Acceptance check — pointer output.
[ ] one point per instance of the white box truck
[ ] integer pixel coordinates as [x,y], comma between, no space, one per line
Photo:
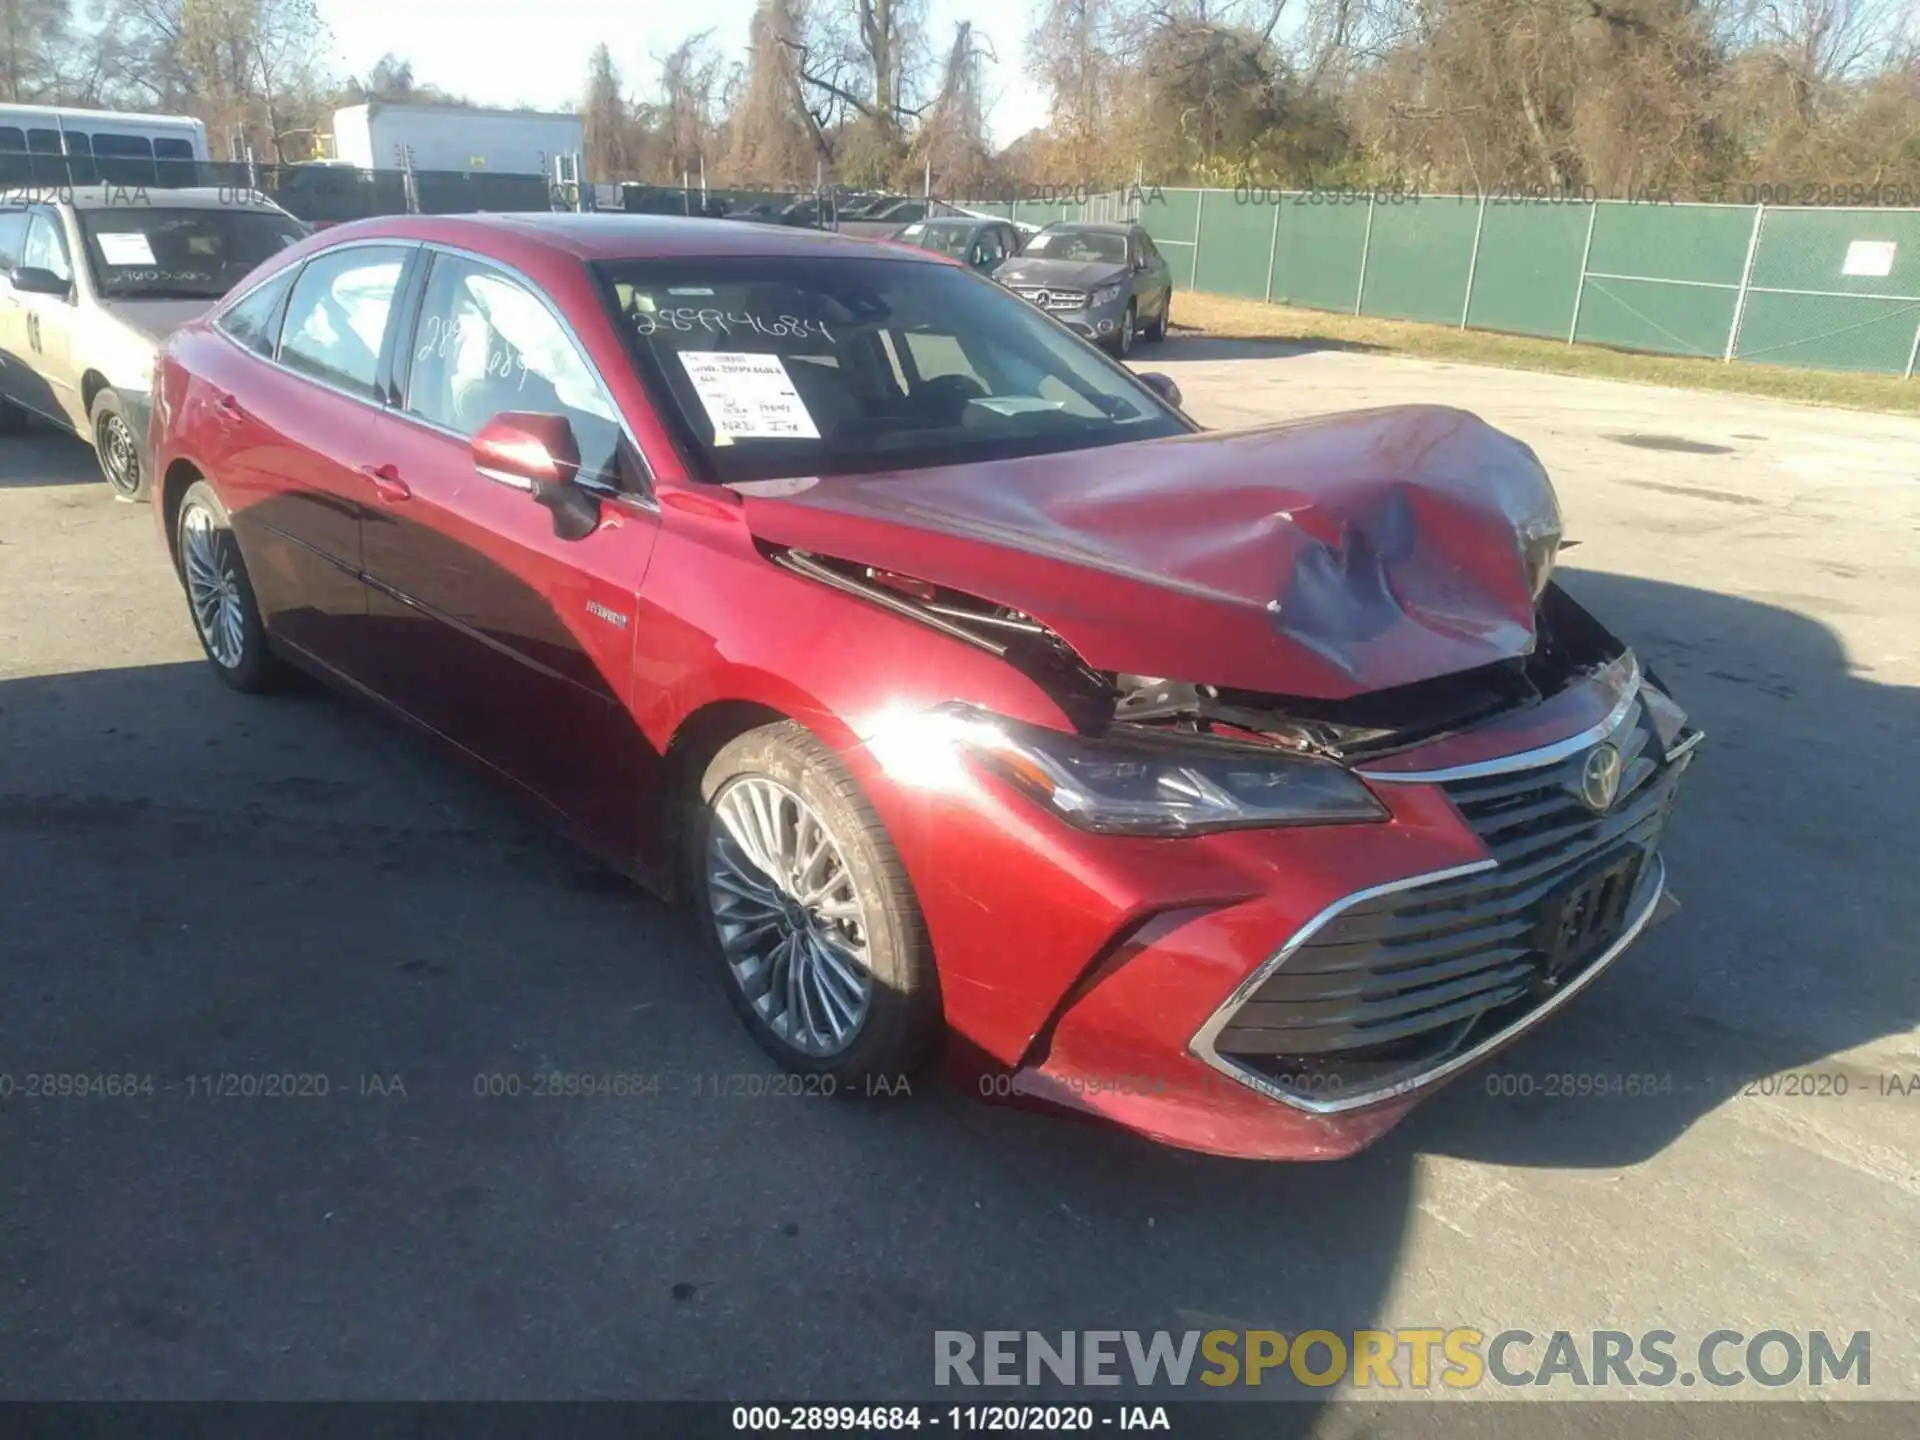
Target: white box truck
[385,136]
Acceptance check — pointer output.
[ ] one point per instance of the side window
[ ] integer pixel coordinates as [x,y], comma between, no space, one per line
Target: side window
[13,237]
[46,247]
[337,316]
[991,250]
[485,344]
[251,322]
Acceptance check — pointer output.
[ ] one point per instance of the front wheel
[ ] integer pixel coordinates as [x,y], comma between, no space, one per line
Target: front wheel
[225,615]
[824,951]
[117,449]
[1123,341]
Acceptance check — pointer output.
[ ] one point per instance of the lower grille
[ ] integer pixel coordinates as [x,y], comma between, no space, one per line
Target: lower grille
[1394,986]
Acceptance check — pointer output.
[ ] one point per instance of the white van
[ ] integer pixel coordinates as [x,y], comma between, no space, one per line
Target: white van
[43,145]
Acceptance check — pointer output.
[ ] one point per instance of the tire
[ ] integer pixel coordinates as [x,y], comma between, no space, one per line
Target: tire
[1123,342]
[225,617]
[1157,331]
[117,449]
[772,773]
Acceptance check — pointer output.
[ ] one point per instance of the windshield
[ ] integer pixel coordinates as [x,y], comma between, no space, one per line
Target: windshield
[1078,245]
[154,253]
[774,368]
[941,239]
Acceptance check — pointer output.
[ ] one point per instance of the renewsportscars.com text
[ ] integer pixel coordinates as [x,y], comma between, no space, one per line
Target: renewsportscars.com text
[1415,1359]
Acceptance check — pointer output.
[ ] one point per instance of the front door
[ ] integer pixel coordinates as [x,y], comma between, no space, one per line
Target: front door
[508,640]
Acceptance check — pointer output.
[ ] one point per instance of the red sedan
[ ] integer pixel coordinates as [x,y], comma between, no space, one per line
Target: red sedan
[1237,787]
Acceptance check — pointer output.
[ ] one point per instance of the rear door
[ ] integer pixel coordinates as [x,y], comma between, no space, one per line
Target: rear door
[508,640]
[295,447]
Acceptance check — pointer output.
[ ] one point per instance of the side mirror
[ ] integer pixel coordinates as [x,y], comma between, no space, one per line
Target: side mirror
[537,453]
[1161,385]
[32,280]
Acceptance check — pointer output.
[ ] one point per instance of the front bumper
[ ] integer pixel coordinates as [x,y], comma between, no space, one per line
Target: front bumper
[1102,325]
[1098,323]
[1287,994]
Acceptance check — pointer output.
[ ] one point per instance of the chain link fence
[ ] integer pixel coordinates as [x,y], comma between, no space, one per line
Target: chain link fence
[1834,289]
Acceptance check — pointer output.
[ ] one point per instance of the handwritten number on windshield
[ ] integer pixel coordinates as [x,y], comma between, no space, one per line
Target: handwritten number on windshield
[686,320]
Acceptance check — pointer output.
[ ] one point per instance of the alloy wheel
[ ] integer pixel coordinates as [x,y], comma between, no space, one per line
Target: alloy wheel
[789,916]
[119,457]
[213,586]
[1126,332]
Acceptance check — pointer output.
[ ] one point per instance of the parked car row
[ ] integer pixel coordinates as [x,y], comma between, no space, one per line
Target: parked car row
[1239,788]
[1106,281]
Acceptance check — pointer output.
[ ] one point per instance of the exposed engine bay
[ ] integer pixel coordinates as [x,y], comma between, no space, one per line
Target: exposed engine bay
[1568,644]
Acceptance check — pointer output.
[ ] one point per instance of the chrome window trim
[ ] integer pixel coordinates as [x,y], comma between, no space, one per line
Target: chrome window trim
[1524,759]
[647,502]
[1202,1044]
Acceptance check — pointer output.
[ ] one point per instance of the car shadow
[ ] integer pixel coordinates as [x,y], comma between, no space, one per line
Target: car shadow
[1183,343]
[328,969]
[43,455]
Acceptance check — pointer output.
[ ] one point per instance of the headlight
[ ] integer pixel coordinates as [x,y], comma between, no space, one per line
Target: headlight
[1105,295]
[1131,785]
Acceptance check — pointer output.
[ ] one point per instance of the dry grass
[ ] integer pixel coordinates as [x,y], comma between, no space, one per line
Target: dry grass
[1225,317]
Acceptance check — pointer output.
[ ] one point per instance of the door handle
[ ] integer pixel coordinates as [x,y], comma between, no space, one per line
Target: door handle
[386,481]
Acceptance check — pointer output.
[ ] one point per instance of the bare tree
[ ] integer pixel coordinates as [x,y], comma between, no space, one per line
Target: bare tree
[34,37]
[685,114]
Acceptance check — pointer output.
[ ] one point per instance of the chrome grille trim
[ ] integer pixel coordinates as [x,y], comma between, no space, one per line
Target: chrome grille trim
[1525,759]
[1202,1044]
[1459,941]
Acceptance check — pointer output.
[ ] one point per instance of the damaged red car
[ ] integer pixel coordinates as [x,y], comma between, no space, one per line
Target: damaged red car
[1236,787]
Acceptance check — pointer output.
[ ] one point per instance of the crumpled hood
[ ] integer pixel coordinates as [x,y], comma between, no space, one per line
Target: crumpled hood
[1323,558]
[1064,274]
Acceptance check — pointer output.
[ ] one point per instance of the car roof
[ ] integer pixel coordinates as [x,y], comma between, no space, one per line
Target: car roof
[1097,227]
[619,237]
[199,197]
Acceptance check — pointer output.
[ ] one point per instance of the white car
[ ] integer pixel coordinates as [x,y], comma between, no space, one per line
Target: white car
[92,279]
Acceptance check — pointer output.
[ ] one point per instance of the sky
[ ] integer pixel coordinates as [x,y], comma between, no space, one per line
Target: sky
[534,52]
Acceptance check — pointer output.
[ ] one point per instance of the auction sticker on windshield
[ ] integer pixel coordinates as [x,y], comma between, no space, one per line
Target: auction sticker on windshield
[748,397]
[125,247]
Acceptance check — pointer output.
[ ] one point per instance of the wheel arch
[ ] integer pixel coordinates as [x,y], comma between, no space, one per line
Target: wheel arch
[701,734]
[174,485]
[91,384]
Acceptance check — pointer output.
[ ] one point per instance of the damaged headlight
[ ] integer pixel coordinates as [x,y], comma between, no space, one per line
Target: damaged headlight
[1129,785]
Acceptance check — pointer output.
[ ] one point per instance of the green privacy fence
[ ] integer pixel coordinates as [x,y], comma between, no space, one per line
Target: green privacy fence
[1832,289]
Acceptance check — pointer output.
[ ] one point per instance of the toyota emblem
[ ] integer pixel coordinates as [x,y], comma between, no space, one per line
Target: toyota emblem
[1600,778]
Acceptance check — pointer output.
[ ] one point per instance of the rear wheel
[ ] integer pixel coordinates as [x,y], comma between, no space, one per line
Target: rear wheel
[824,952]
[117,449]
[219,595]
[1157,331]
